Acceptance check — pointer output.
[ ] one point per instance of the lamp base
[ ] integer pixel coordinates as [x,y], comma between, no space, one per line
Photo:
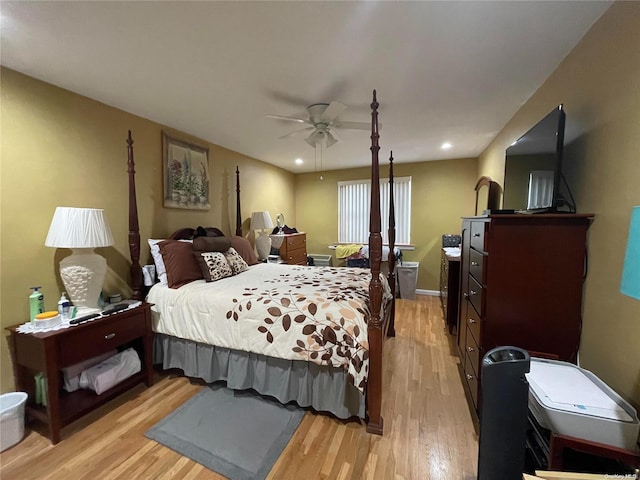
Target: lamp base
[263,246]
[83,274]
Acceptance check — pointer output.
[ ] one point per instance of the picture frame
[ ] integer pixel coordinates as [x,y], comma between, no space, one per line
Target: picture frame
[186,174]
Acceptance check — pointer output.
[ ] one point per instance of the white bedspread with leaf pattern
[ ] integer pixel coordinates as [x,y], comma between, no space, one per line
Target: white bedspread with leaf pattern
[316,314]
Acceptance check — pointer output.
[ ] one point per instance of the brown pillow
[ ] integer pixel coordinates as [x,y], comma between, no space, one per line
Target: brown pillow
[244,248]
[179,262]
[211,244]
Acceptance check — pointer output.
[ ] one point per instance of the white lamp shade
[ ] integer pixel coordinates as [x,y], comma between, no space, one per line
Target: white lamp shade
[261,220]
[79,228]
[83,272]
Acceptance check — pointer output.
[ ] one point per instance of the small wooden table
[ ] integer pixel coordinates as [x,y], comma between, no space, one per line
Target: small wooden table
[50,352]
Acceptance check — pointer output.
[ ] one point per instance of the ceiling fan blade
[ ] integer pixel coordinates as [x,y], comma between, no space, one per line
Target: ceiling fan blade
[291,119]
[296,132]
[332,137]
[333,111]
[353,125]
[312,139]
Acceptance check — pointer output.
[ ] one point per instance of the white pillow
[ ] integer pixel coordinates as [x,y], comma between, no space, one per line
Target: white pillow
[161,271]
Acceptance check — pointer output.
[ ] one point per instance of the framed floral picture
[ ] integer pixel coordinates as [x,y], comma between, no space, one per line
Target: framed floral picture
[186,174]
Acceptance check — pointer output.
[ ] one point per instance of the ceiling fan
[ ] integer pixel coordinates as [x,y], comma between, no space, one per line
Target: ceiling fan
[323,122]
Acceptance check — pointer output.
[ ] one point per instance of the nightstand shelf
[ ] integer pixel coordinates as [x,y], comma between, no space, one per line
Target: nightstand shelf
[50,352]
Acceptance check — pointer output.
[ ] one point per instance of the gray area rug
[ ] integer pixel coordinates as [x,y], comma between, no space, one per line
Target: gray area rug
[237,434]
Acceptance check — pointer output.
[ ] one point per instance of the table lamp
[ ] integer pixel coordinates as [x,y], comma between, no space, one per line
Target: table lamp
[631,269]
[261,221]
[83,272]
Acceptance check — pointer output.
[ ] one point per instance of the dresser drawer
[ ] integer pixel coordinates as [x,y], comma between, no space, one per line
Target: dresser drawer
[472,352]
[476,265]
[476,295]
[473,324]
[99,336]
[297,257]
[477,235]
[472,382]
[295,242]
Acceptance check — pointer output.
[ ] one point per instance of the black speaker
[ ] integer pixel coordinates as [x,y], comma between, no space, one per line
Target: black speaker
[503,414]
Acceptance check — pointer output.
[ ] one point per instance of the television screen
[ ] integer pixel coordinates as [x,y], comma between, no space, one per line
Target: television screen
[533,166]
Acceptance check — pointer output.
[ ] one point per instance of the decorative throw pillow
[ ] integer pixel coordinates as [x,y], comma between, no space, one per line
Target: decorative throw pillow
[178,259]
[154,247]
[215,264]
[236,262]
[244,248]
[211,244]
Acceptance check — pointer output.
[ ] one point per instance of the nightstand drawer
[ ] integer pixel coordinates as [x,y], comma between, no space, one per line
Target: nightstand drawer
[99,336]
[298,257]
[295,242]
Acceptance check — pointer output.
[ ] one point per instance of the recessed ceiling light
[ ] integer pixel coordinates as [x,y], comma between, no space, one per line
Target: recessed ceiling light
[445,146]
[299,161]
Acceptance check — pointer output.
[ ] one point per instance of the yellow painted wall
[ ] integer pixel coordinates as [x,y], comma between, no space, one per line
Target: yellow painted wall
[599,85]
[442,192]
[62,149]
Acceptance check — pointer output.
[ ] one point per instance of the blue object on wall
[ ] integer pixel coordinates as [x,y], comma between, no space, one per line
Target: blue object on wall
[631,270]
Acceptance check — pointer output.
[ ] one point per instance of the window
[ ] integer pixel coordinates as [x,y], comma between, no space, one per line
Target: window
[354,199]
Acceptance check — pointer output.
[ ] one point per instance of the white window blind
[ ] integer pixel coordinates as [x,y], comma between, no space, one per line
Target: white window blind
[354,201]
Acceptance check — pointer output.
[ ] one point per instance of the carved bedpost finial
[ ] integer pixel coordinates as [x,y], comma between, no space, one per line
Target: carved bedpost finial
[238,213]
[134,229]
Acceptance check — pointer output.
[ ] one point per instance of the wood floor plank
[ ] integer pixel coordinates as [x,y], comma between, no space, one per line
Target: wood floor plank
[428,431]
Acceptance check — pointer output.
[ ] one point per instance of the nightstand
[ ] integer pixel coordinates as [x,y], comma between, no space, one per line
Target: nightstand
[50,352]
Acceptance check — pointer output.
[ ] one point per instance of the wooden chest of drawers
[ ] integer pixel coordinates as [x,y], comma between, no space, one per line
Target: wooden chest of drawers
[294,249]
[449,288]
[521,285]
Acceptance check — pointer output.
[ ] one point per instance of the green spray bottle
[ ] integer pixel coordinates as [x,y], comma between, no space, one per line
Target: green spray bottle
[36,303]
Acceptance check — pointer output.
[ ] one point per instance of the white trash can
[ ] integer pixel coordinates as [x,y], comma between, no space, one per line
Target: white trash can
[11,418]
[407,273]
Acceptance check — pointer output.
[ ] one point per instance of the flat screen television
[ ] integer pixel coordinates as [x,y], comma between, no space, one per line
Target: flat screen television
[533,167]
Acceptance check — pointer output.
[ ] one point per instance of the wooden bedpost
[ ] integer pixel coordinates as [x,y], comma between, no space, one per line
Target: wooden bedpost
[374,384]
[134,229]
[238,214]
[391,258]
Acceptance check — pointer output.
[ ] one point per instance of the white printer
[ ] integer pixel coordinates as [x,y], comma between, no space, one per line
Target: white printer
[569,400]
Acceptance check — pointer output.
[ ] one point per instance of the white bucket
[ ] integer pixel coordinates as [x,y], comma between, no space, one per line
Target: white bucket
[11,418]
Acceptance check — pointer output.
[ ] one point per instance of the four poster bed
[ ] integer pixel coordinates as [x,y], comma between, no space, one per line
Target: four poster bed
[313,335]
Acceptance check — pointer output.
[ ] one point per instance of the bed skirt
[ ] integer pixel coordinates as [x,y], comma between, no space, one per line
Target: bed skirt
[323,388]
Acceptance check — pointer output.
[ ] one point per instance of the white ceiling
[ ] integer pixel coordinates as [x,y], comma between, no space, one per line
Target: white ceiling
[444,71]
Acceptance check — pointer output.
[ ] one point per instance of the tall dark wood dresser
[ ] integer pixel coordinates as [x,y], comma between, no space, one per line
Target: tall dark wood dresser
[521,285]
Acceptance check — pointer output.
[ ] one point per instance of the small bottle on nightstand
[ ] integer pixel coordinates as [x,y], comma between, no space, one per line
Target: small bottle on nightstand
[63,306]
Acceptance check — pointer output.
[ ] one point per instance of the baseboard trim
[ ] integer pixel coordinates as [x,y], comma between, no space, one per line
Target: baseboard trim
[433,293]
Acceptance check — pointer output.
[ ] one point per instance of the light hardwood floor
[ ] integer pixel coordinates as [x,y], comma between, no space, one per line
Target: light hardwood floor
[428,431]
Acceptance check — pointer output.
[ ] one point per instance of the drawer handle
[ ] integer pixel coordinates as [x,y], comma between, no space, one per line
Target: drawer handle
[110,336]
[476,234]
[465,295]
[469,349]
[471,320]
[469,376]
[472,293]
[475,264]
